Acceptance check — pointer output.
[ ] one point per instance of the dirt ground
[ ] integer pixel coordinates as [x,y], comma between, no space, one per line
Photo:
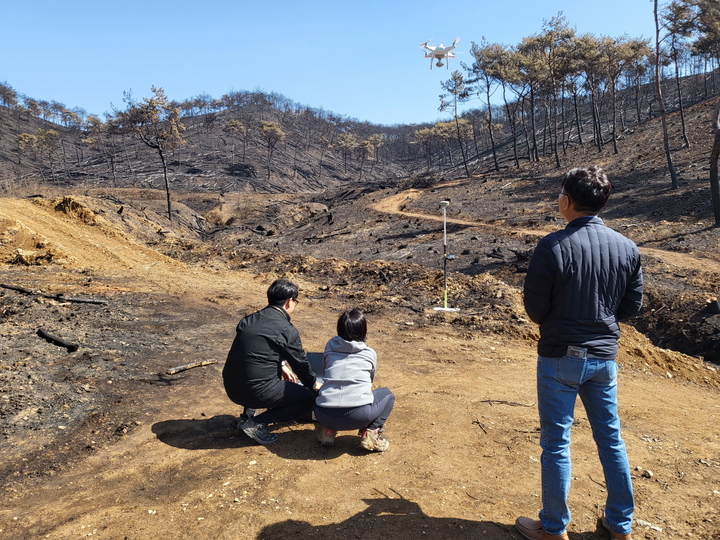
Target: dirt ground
[100,442]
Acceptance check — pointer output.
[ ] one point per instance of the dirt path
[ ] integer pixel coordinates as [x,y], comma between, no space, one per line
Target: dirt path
[394,205]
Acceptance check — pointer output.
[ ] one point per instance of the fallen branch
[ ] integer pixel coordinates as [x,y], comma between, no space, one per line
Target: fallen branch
[511,403]
[57,296]
[479,424]
[328,235]
[75,299]
[71,347]
[602,485]
[473,496]
[178,369]
[16,288]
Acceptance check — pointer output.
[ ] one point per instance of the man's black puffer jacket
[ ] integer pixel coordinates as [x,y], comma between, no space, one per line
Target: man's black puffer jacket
[581,281]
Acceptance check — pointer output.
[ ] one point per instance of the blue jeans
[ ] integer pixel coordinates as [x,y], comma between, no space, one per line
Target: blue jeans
[559,381]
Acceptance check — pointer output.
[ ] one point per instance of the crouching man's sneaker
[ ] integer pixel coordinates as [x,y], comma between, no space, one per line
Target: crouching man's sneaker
[374,441]
[257,431]
[326,436]
[247,413]
[532,530]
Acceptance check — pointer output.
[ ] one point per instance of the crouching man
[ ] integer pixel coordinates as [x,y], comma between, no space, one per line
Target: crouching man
[264,364]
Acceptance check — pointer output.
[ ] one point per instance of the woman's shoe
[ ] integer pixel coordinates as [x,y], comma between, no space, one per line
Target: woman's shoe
[374,441]
[326,436]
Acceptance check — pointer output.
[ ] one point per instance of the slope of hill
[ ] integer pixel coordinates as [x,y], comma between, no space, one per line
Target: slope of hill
[264,142]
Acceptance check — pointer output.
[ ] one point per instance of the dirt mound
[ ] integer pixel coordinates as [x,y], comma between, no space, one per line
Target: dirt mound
[83,232]
[637,352]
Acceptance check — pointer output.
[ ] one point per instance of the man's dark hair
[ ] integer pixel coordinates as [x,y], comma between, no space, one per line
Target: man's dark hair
[588,188]
[352,326]
[280,291]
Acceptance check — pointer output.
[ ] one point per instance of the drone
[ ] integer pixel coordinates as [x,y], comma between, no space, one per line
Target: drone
[439,53]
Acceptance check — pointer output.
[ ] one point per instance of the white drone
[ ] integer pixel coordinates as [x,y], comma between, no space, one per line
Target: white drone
[439,53]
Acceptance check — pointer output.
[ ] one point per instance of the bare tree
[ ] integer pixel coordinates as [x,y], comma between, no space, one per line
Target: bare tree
[236,130]
[157,123]
[455,87]
[272,134]
[425,137]
[658,89]
[678,19]
[346,142]
[484,72]
[101,137]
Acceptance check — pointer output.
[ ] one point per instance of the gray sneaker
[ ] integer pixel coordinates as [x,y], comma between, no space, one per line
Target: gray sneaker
[257,431]
[374,441]
[247,413]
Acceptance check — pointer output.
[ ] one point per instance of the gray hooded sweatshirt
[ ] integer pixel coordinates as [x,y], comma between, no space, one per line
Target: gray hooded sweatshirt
[349,373]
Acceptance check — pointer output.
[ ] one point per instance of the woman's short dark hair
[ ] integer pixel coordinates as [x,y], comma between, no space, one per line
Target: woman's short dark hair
[280,291]
[352,326]
[587,187]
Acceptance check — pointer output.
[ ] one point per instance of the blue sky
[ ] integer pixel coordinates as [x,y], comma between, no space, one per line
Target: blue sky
[357,59]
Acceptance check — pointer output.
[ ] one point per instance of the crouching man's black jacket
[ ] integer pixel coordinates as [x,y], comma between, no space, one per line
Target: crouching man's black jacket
[581,281]
[262,341]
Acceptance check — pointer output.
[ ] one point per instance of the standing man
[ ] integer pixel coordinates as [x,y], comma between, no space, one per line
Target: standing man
[261,367]
[581,281]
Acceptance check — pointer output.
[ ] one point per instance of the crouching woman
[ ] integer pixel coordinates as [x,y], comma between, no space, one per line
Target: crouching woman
[346,400]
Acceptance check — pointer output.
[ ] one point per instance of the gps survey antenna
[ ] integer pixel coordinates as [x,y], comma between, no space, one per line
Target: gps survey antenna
[444,205]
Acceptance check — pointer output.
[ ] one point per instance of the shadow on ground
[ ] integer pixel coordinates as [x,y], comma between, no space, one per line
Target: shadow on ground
[388,518]
[400,518]
[202,434]
[296,440]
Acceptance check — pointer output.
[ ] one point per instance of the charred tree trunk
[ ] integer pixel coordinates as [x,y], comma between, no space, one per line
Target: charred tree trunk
[534,149]
[686,141]
[613,97]
[167,183]
[490,127]
[661,102]
[513,128]
[714,156]
[578,122]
